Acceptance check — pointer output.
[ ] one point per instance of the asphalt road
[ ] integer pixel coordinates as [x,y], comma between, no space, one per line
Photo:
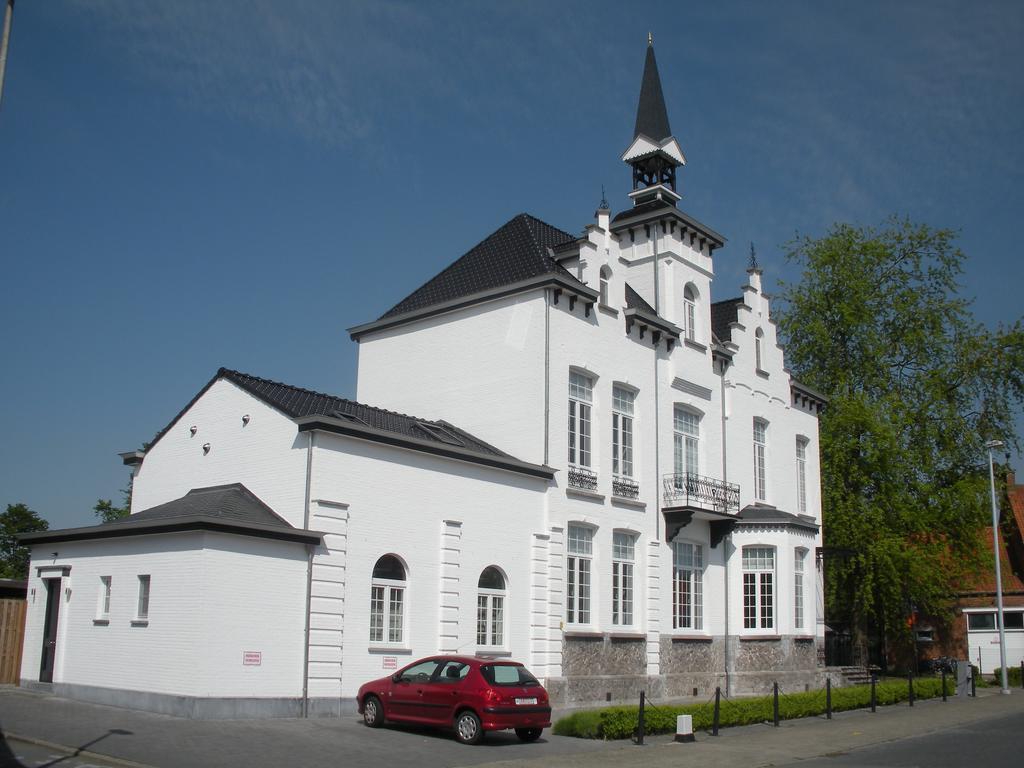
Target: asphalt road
[20,754]
[992,743]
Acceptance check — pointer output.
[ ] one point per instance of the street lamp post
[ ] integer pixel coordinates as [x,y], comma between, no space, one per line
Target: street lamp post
[991,445]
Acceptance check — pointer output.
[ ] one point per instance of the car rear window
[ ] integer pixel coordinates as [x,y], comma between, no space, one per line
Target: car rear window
[507,674]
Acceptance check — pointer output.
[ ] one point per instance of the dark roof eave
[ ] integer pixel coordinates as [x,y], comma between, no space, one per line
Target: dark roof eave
[540,281]
[347,428]
[172,525]
[654,321]
[626,221]
[132,458]
[808,391]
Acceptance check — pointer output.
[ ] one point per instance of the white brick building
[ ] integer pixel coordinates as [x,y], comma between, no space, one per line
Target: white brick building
[629,501]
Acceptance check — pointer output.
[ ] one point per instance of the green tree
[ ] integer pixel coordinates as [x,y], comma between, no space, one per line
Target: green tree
[105,510]
[916,386]
[13,557]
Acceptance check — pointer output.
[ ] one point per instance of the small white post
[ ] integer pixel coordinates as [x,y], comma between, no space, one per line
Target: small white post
[684,728]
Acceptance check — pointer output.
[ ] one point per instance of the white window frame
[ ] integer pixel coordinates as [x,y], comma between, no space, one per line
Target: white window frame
[604,276]
[801,475]
[760,442]
[103,598]
[690,312]
[623,578]
[687,586]
[579,575]
[759,588]
[490,613]
[623,431]
[581,428]
[686,441]
[389,593]
[145,590]
[799,569]
[758,343]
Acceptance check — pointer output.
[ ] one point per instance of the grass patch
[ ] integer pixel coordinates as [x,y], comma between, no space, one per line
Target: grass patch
[621,722]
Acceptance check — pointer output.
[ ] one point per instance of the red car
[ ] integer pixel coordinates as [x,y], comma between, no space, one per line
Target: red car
[468,694]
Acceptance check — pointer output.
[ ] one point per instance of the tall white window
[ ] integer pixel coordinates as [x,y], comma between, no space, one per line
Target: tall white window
[103,603]
[799,556]
[578,562]
[142,611]
[605,276]
[581,396]
[622,431]
[623,556]
[760,466]
[686,437]
[758,341]
[387,601]
[801,475]
[490,608]
[758,587]
[687,585]
[690,313]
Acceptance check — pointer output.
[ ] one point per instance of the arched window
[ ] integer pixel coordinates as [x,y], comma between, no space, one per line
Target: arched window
[490,608]
[760,460]
[387,601]
[690,312]
[606,274]
[801,475]
[758,339]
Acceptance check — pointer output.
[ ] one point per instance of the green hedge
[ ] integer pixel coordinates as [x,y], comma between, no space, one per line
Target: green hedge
[621,722]
[1012,676]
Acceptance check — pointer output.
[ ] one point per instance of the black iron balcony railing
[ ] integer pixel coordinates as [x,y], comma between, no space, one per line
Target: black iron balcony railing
[625,488]
[582,478]
[684,489]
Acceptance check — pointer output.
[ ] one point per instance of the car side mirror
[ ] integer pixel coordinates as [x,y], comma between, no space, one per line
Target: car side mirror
[397,677]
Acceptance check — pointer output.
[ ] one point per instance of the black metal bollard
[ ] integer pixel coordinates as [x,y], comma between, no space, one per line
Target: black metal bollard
[775,704]
[874,679]
[943,683]
[1022,674]
[910,687]
[640,720]
[974,689]
[828,698]
[714,723]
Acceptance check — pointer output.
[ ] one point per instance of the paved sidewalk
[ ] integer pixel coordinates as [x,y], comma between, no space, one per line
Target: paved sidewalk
[170,742]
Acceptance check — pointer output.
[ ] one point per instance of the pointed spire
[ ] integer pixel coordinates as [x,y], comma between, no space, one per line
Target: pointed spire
[651,115]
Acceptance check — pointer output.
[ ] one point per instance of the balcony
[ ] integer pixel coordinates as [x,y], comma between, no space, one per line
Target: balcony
[582,479]
[683,489]
[625,488]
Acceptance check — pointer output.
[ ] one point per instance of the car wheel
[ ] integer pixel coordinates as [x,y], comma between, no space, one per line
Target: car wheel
[528,734]
[467,728]
[373,712]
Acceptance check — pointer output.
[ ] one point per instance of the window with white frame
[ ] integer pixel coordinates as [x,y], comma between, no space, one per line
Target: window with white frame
[605,276]
[687,585]
[581,396]
[686,442]
[799,556]
[578,570]
[690,313]
[758,341]
[758,587]
[103,601]
[142,609]
[387,601]
[490,608]
[760,462]
[801,475]
[623,557]
[622,431]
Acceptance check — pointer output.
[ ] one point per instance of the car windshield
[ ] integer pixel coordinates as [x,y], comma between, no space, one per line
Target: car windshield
[507,674]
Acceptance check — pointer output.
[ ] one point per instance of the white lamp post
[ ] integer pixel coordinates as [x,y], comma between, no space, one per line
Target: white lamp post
[991,445]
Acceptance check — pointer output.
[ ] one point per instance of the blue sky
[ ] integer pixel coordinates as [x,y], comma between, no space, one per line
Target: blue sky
[186,185]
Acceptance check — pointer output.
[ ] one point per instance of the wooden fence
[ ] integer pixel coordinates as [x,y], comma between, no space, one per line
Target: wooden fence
[12,632]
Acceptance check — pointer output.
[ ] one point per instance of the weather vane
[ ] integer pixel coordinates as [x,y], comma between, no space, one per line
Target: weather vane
[753,256]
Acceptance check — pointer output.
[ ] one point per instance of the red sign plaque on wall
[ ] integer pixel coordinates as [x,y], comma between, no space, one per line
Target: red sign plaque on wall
[252,658]
[390,662]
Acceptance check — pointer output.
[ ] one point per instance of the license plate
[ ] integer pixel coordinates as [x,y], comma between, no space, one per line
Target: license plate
[530,700]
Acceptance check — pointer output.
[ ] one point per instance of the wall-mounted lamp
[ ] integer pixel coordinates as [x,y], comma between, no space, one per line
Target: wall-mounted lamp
[193,429]
[245,419]
[206,448]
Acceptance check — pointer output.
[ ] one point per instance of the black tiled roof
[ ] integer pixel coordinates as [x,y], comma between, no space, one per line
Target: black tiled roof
[640,210]
[757,514]
[722,314]
[518,250]
[297,402]
[651,115]
[234,503]
[635,301]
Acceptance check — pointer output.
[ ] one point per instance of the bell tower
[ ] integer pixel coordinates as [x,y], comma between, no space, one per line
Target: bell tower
[654,154]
